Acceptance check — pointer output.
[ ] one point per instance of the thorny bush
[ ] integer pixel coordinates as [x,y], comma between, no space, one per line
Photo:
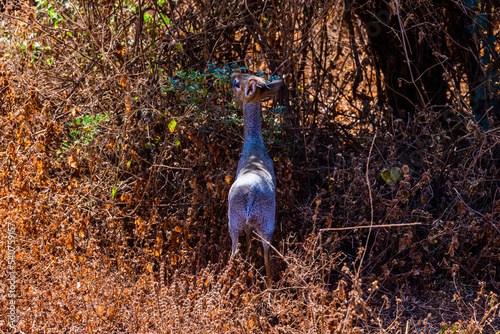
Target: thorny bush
[120,140]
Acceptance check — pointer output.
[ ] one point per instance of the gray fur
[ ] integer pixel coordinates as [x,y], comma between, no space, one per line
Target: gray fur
[252,203]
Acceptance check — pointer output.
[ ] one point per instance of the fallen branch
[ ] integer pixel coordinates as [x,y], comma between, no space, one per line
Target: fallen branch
[365,226]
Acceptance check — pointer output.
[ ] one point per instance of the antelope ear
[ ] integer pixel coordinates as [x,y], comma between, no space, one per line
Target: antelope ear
[271,89]
[251,88]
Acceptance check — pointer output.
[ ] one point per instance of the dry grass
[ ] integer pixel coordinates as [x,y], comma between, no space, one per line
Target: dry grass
[120,141]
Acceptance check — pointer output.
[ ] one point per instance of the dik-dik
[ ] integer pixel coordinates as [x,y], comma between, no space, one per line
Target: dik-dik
[252,202]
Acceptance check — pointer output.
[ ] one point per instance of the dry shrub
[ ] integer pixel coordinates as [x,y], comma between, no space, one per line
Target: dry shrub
[120,142]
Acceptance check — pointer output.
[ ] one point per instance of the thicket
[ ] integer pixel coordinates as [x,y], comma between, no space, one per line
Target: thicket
[120,140]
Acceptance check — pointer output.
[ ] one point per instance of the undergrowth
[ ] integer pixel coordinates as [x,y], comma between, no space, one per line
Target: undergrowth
[120,143]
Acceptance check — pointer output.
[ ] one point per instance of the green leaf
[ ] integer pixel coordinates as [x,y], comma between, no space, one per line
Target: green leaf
[177,142]
[146,17]
[386,175]
[395,173]
[172,125]
[166,19]
[391,176]
[113,192]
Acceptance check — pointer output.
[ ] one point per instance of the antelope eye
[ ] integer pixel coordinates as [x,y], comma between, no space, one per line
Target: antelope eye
[236,83]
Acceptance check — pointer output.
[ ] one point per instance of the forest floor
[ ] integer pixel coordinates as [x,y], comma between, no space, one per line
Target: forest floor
[115,166]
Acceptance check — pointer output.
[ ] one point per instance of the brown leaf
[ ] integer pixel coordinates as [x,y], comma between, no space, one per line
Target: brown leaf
[70,242]
[73,162]
[210,186]
[124,83]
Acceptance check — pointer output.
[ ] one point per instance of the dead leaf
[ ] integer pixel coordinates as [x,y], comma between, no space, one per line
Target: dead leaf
[70,242]
[73,162]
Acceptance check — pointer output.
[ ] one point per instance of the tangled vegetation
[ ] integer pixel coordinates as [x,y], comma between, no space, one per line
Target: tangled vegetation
[120,140]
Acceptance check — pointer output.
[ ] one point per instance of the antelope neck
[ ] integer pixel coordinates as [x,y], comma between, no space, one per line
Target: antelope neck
[253,132]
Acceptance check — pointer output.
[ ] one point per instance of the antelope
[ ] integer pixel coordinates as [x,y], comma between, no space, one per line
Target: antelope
[252,201]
